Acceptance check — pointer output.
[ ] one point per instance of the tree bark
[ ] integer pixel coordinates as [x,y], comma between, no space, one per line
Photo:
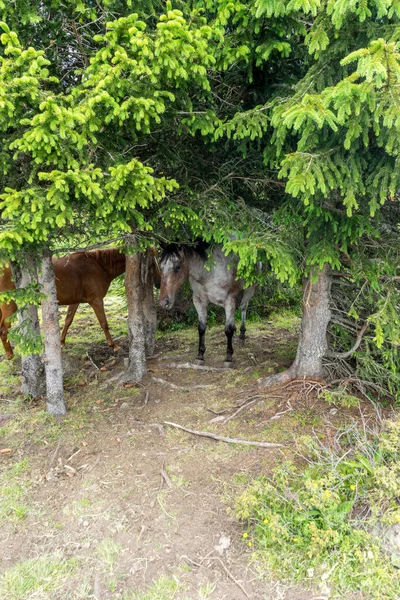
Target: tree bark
[313,344]
[32,367]
[52,344]
[142,315]
[149,309]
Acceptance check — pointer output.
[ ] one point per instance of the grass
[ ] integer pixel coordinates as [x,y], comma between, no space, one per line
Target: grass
[285,319]
[9,379]
[36,577]
[108,551]
[164,588]
[12,491]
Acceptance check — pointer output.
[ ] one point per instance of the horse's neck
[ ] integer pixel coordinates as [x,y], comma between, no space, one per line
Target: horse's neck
[112,261]
[196,267]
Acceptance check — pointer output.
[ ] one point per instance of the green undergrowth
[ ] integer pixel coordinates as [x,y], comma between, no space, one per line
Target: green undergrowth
[309,524]
[35,578]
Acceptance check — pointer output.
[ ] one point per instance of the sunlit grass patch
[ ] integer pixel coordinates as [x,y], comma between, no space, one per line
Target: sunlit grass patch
[33,423]
[9,376]
[285,319]
[165,588]
[108,551]
[12,491]
[35,578]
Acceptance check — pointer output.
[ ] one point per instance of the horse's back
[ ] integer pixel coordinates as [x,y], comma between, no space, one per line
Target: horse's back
[79,278]
[219,282]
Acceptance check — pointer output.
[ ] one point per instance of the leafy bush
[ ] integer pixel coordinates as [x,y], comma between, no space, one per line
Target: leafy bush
[311,524]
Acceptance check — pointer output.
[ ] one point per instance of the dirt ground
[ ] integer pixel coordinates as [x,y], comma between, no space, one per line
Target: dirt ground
[139,509]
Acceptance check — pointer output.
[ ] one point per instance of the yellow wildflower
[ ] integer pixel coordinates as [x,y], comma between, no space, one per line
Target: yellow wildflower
[245,535]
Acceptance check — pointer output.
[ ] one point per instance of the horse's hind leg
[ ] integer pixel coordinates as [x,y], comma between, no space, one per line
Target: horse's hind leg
[98,308]
[72,308]
[247,296]
[230,329]
[201,308]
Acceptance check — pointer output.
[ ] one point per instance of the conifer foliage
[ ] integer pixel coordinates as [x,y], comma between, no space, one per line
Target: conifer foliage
[182,119]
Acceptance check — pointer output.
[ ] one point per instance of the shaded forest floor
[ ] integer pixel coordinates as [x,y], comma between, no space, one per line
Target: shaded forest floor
[111,503]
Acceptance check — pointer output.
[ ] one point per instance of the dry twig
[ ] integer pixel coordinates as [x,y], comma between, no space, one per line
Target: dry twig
[92,361]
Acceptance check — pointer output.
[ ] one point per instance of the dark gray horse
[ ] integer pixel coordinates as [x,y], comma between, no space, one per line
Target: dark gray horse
[217,285]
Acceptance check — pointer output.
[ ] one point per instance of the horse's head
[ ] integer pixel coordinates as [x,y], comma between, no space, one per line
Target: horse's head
[174,271]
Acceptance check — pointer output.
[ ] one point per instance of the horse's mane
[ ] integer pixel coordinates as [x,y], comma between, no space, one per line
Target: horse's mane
[199,248]
[107,257]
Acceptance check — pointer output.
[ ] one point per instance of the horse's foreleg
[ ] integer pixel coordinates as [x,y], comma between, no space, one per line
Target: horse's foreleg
[247,296]
[230,329]
[72,308]
[98,308]
[201,308]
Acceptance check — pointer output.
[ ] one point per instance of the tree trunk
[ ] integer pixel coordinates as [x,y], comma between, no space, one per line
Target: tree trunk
[313,344]
[32,368]
[52,344]
[141,314]
[149,309]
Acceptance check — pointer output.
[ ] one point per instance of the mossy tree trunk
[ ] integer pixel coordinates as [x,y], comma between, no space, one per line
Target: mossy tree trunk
[52,344]
[32,367]
[141,314]
[313,344]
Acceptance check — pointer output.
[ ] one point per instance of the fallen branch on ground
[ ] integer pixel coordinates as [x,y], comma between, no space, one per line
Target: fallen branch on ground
[200,564]
[165,477]
[4,416]
[244,406]
[185,388]
[193,366]
[92,361]
[221,438]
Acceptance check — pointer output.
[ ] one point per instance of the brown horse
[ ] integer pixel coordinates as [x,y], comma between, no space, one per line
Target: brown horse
[80,277]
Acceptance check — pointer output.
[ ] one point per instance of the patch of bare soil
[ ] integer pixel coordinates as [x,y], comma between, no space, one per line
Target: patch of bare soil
[143,508]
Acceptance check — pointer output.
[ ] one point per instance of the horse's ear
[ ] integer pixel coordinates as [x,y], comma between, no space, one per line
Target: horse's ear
[181,252]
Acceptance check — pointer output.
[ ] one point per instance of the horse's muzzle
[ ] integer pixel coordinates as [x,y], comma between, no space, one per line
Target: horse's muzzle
[165,302]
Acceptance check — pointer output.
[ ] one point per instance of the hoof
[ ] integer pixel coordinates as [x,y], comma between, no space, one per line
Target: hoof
[228,364]
[199,361]
[116,348]
[241,341]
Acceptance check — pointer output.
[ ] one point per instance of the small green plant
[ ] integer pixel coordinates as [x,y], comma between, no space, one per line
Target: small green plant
[305,524]
[340,398]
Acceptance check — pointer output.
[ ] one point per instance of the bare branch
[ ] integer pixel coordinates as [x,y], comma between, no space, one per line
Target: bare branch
[353,348]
